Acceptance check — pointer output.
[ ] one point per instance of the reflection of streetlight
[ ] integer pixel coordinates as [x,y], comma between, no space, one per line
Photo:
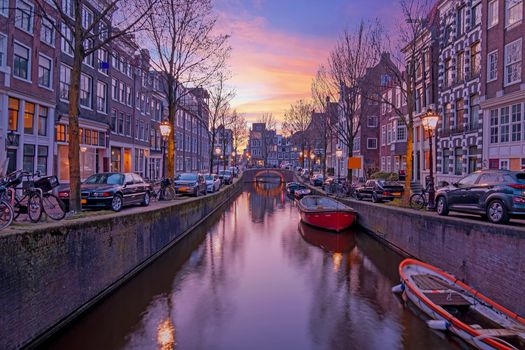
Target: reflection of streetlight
[338,155]
[429,121]
[165,131]
[165,336]
[218,153]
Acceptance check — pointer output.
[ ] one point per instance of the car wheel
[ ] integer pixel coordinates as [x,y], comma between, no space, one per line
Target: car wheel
[146,200]
[374,198]
[442,206]
[497,213]
[116,203]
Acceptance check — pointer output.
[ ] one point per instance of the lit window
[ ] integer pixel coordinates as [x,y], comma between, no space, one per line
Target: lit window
[29,118]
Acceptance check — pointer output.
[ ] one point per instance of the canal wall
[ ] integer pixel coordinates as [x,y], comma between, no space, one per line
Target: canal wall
[53,272]
[488,257]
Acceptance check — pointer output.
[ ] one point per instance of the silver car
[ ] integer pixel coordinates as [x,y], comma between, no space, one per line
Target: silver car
[213,183]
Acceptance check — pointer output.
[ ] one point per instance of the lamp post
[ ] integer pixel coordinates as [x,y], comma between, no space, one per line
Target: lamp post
[312,158]
[218,153]
[338,155]
[165,131]
[234,155]
[429,121]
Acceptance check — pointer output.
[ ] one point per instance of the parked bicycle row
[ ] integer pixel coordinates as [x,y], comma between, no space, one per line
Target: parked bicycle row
[24,194]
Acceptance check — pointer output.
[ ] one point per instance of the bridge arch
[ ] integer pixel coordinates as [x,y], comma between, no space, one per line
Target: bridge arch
[251,175]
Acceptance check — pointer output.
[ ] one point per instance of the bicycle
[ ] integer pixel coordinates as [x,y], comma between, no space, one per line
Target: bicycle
[6,211]
[419,200]
[166,191]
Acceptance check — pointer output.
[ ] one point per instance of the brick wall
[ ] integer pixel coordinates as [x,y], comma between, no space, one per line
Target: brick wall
[50,274]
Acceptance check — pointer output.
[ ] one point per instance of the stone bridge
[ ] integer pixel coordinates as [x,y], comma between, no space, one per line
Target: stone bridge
[260,174]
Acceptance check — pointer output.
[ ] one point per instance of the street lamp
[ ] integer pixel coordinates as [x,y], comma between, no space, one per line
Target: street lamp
[165,131]
[234,154]
[338,155]
[429,121]
[218,153]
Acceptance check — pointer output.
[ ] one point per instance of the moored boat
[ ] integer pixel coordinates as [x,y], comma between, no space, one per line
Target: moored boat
[455,307]
[326,213]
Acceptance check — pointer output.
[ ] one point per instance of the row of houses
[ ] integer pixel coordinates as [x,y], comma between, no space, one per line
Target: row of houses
[470,71]
[122,102]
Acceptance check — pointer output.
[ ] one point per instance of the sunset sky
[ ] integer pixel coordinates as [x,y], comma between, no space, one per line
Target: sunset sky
[278,45]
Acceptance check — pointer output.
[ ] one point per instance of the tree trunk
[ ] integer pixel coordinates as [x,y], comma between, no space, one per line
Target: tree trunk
[408,175]
[170,159]
[74,134]
[211,149]
[350,154]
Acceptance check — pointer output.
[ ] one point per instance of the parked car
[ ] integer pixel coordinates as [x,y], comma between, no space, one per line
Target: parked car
[317,180]
[111,190]
[379,190]
[292,186]
[495,194]
[226,177]
[190,183]
[234,170]
[213,183]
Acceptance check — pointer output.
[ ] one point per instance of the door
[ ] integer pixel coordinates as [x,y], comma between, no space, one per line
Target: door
[128,189]
[127,160]
[461,196]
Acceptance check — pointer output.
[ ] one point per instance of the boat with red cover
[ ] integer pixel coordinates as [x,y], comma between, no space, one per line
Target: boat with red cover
[326,213]
[456,307]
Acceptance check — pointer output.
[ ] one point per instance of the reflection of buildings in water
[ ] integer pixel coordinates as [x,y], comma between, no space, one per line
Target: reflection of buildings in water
[265,197]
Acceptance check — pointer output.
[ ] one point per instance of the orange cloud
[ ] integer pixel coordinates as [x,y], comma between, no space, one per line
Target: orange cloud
[271,69]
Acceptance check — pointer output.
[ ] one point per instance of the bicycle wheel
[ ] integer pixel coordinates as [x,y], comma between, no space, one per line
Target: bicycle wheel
[169,193]
[6,214]
[34,207]
[53,206]
[417,201]
[16,209]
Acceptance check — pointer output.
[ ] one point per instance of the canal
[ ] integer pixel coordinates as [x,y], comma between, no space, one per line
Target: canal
[254,277]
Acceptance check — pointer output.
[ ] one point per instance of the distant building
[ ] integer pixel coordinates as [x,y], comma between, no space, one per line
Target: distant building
[224,142]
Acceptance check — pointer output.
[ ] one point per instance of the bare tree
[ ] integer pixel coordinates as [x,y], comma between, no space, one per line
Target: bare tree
[82,32]
[297,119]
[345,74]
[186,51]
[220,98]
[239,129]
[267,135]
[407,60]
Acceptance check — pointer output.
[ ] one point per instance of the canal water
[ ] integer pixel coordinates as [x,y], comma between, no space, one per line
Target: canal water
[254,277]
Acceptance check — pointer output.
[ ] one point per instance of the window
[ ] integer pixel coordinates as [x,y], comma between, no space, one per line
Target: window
[476,14]
[47,32]
[87,137]
[513,12]
[68,6]
[460,23]
[458,161]
[21,63]
[65,81]
[29,117]
[4,8]
[372,122]
[14,108]
[129,95]
[513,62]
[492,19]
[86,88]
[66,44]
[492,66]
[504,128]
[460,114]
[43,113]
[475,59]
[389,133]
[446,157]
[120,126]
[127,126]
[3,50]
[494,128]
[114,89]
[24,16]
[102,97]
[468,181]
[61,133]
[401,132]
[44,71]
[141,130]
[29,158]
[87,17]
[102,61]
[122,93]
[474,111]
[472,159]
[371,143]
[383,135]
[89,59]
[460,66]
[516,122]
[448,72]
[102,31]
[113,120]
[41,161]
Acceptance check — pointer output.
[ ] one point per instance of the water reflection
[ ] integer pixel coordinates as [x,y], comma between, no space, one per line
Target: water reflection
[254,278]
